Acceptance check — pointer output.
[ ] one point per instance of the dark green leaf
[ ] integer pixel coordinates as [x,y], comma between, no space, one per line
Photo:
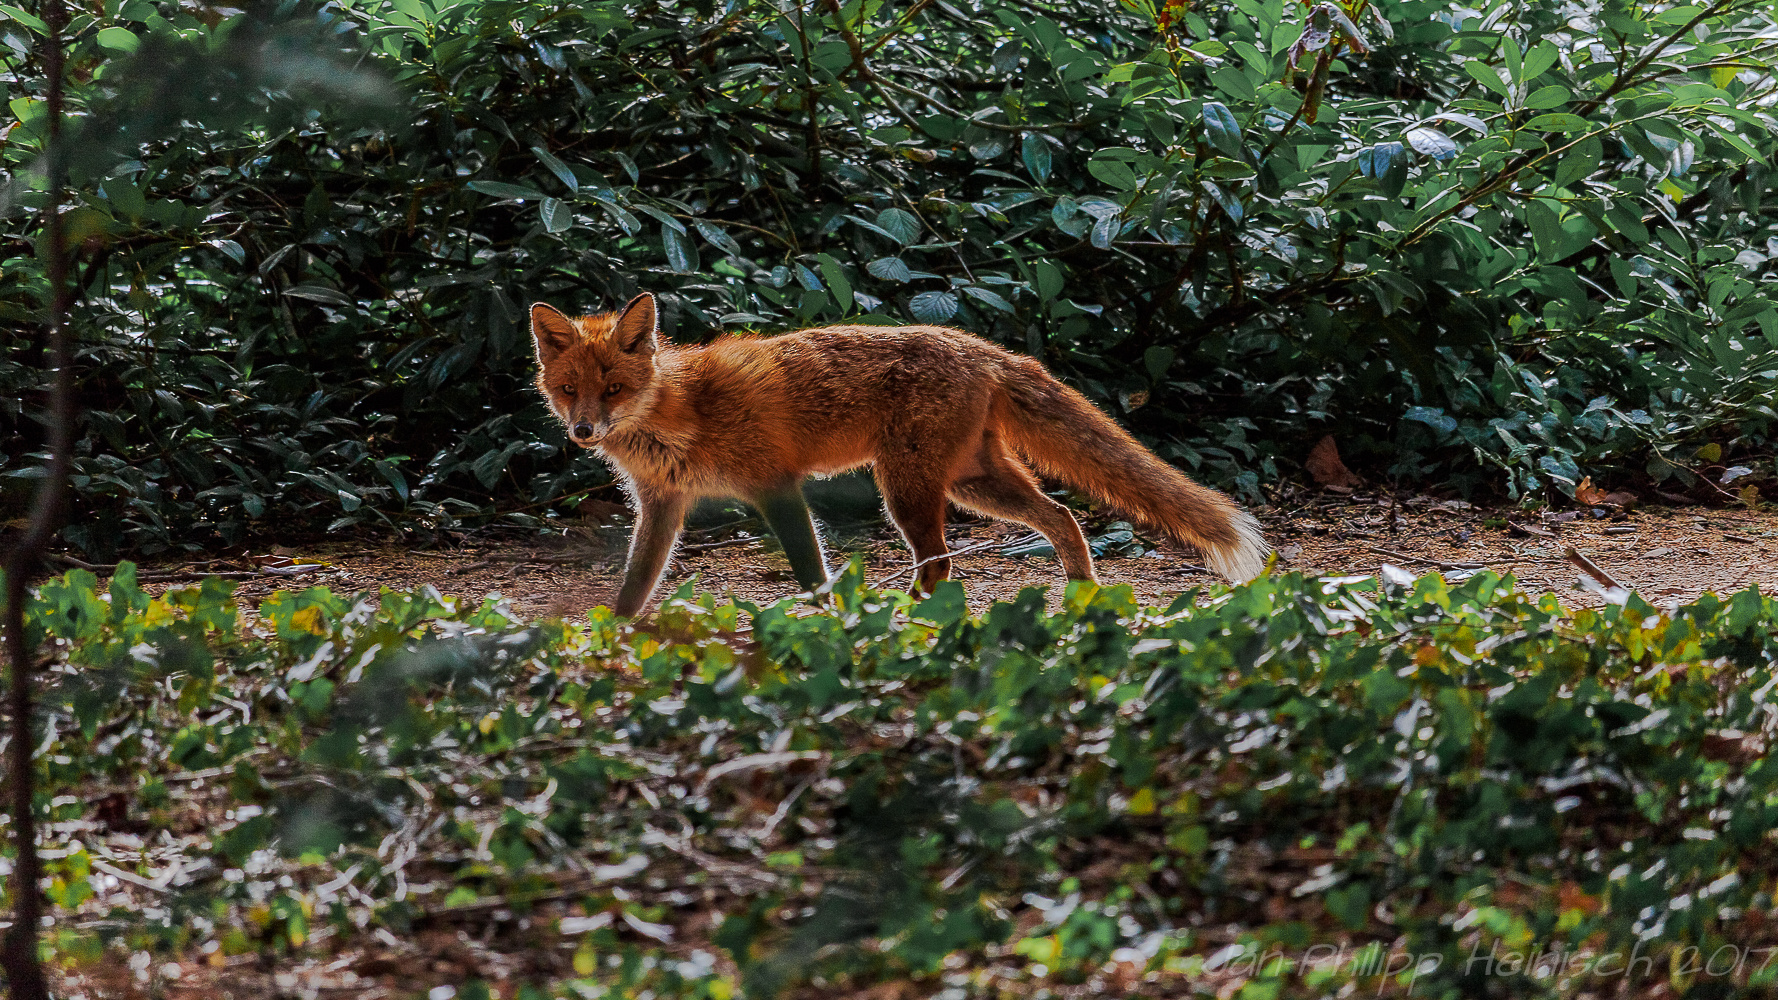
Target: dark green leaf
[890,269]
[557,167]
[557,215]
[899,224]
[501,189]
[1431,142]
[1223,130]
[1036,153]
[933,307]
[679,253]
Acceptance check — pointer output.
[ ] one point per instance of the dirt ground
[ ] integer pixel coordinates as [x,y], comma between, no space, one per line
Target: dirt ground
[1669,555]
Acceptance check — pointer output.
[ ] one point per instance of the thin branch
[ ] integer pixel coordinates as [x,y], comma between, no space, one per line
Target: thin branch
[952,554]
[24,968]
[1592,569]
[954,113]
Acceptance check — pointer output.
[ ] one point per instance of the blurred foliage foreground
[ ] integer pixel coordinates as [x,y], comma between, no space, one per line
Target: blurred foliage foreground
[1286,789]
[1504,245]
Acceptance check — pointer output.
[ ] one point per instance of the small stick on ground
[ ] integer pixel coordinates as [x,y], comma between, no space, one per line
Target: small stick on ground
[1592,569]
[201,574]
[954,553]
[723,544]
[1430,562]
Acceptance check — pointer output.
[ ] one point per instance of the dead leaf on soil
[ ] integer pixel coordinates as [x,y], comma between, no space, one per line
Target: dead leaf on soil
[1589,494]
[1325,465]
[1529,529]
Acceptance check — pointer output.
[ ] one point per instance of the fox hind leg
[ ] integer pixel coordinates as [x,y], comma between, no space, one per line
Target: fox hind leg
[1004,488]
[916,503]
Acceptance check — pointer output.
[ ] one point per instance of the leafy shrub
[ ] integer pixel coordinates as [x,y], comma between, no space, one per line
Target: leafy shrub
[886,789]
[1504,244]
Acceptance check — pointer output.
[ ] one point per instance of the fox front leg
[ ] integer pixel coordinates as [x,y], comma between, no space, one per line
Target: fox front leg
[788,517]
[658,520]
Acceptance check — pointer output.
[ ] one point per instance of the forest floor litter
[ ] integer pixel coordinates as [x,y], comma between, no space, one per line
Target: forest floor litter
[1669,555]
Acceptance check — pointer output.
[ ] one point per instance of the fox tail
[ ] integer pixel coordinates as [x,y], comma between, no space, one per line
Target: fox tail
[1066,438]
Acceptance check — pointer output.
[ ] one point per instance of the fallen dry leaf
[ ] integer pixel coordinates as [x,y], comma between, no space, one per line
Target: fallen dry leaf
[1589,494]
[1325,465]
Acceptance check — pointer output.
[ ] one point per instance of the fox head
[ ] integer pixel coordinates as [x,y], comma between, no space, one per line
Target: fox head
[594,369]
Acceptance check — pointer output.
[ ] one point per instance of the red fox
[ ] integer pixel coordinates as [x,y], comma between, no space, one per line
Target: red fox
[942,415]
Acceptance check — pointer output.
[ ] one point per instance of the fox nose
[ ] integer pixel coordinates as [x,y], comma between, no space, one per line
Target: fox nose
[583,430]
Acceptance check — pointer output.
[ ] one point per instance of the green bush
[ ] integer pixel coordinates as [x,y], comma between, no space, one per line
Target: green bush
[1506,245]
[885,788]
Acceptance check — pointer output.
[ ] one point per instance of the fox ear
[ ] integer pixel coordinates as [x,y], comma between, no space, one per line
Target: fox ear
[553,332]
[635,332]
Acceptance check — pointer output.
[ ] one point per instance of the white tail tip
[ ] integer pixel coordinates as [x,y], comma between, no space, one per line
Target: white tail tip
[1246,558]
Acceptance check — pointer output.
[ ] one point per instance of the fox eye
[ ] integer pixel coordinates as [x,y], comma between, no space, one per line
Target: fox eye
[613,389]
[567,390]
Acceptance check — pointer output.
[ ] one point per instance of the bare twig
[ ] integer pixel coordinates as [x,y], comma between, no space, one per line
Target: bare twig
[512,557]
[722,544]
[966,550]
[1592,569]
[1422,559]
[24,968]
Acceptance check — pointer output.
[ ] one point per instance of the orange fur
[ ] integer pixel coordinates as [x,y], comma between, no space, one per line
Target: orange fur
[940,415]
